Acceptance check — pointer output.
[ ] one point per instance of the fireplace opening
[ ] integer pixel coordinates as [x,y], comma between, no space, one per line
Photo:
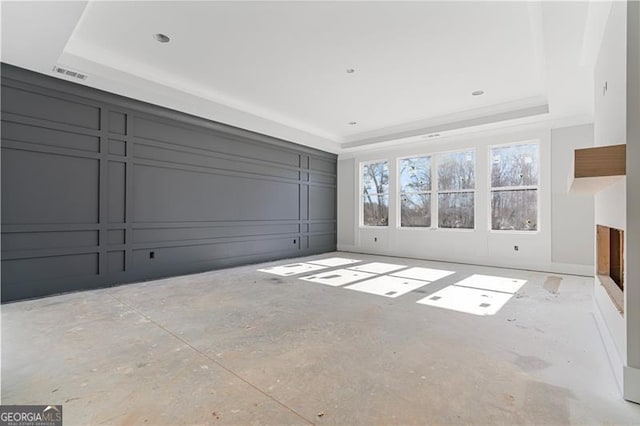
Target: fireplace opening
[610,267]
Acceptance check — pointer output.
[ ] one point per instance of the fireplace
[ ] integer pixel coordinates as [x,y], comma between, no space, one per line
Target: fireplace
[610,258]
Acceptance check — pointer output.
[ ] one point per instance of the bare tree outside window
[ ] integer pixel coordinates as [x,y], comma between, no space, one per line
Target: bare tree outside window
[415,192]
[375,194]
[514,187]
[456,190]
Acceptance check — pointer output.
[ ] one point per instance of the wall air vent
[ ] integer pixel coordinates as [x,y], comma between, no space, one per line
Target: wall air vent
[69,73]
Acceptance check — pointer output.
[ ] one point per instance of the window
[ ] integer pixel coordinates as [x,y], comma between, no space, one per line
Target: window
[415,192]
[456,189]
[514,187]
[375,194]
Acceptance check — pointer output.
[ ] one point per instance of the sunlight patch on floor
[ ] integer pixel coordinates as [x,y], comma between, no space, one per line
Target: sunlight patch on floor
[477,294]
[423,274]
[388,286]
[334,261]
[488,282]
[338,277]
[378,267]
[292,269]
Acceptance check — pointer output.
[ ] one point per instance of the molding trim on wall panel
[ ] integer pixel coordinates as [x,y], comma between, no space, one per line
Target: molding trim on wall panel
[47,82]
[155,193]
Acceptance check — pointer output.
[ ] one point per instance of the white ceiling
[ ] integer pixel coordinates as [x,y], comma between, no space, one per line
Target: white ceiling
[279,68]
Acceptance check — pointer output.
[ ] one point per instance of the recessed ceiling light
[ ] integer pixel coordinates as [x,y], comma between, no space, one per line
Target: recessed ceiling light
[350,70]
[353,123]
[478,93]
[162,38]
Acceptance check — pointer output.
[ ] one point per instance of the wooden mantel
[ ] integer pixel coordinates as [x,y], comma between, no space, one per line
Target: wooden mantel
[598,167]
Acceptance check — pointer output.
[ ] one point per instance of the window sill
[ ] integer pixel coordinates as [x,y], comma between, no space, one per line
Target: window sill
[416,228]
[424,228]
[513,232]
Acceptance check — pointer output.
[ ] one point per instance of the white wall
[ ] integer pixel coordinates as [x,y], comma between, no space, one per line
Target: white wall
[571,214]
[610,203]
[617,120]
[347,199]
[538,251]
[632,290]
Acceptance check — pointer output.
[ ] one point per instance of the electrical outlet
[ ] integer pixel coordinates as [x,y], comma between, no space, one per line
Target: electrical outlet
[152,255]
[294,241]
[516,248]
[375,239]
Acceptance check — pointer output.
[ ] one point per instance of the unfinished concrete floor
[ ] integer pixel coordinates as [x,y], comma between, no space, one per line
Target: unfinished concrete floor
[240,346]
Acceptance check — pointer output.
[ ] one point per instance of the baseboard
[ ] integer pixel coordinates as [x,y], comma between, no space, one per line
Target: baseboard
[556,268]
[631,380]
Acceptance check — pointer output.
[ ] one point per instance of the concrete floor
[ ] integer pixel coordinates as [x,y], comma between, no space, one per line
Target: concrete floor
[240,346]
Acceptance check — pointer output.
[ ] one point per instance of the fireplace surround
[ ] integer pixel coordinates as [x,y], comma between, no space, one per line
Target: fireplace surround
[610,263]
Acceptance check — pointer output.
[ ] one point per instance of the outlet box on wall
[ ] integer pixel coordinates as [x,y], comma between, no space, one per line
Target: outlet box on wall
[375,239]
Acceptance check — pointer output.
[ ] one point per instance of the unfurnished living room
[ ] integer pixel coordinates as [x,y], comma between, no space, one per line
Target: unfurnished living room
[320,212]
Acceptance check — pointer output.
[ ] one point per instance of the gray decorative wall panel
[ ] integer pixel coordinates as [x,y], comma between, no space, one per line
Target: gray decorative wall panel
[99,190]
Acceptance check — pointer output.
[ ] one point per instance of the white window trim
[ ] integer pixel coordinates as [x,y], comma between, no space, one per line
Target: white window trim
[513,188]
[452,191]
[398,204]
[434,192]
[361,195]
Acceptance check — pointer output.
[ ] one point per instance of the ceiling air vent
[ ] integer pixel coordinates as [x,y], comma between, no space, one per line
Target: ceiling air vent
[69,73]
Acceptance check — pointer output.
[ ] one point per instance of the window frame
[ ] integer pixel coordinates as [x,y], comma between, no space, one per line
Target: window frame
[474,190]
[398,204]
[491,189]
[434,155]
[361,194]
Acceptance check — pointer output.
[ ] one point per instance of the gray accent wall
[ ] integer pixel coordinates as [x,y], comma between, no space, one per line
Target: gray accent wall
[99,190]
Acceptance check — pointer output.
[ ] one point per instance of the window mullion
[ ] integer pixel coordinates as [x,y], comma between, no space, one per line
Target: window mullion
[456,191]
[514,188]
[434,186]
